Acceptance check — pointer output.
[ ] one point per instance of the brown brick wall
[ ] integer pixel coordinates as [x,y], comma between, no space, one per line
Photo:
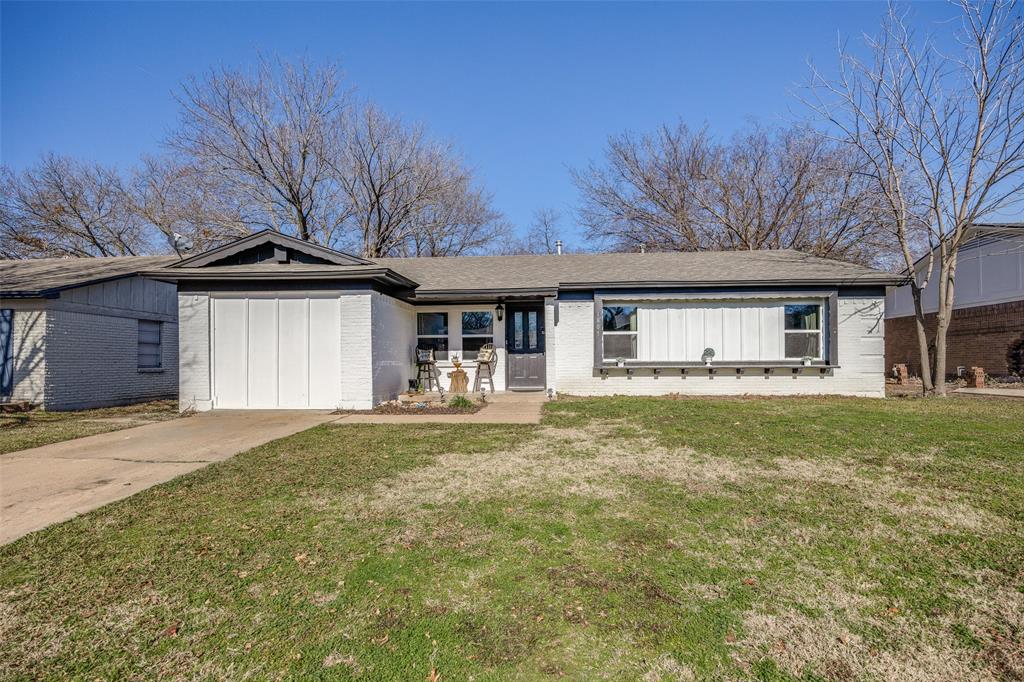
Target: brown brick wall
[977,337]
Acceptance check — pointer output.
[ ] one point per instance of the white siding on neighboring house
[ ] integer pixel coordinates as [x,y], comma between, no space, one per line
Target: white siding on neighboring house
[990,269]
[861,356]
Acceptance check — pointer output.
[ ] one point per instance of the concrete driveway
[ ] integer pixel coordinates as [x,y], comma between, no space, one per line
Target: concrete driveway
[45,485]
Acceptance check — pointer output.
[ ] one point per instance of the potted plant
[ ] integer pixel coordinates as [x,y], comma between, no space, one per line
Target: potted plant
[807,360]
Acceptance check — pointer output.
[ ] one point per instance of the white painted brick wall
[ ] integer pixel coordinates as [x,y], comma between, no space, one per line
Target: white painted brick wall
[29,339]
[194,352]
[550,346]
[92,361]
[356,352]
[394,342]
[861,360]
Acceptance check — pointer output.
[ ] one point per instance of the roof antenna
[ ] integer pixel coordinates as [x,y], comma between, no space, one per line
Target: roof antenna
[180,243]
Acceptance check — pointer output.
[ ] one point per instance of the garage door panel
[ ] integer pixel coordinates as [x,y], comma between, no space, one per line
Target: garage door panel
[229,352]
[262,352]
[293,366]
[277,352]
[324,352]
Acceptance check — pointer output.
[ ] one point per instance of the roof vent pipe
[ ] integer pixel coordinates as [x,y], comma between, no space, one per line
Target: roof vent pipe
[558,246]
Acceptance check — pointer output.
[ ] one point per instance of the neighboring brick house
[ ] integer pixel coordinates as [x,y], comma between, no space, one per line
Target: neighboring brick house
[988,309]
[77,333]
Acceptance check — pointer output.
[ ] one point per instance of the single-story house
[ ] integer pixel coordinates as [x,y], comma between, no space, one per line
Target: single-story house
[77,333]
[988,304]
[269,321]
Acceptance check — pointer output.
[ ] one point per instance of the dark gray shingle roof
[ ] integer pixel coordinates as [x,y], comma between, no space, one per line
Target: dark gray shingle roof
[42,276]
[483,273]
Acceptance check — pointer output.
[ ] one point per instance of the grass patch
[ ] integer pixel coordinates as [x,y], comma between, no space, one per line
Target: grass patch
[23,430]
[624,538]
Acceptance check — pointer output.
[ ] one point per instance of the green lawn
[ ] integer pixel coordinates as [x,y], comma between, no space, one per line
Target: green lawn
[22,430]
[624,538]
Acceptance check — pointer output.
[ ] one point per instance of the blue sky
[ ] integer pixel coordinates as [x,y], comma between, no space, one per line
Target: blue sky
[525,90]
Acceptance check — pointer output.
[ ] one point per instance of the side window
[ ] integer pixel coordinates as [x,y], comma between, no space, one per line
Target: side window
[803,331]
[150,351]
[432,332]
[619,332]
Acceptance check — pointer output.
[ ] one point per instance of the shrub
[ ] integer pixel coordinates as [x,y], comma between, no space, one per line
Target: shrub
[1015,357]
[461,402]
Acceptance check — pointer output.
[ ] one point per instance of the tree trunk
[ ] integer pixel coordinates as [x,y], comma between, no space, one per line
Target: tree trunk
[301,225]
[940,354]
[922,340]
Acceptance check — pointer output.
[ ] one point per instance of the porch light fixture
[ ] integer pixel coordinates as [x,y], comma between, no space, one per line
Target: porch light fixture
[500,312]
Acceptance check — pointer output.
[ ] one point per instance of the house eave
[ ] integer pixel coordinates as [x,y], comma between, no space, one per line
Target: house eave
[874,280]
[382,275]
[449,295]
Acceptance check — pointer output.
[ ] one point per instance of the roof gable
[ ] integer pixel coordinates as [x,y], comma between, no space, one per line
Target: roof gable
[269,246]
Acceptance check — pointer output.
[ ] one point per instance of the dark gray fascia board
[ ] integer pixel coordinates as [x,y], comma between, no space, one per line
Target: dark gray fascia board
[376,274]
[480,294]
[269,236]
[882,279]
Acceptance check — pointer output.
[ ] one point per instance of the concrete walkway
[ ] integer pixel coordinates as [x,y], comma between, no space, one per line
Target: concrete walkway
[45,485]
[998,392]
[502,408]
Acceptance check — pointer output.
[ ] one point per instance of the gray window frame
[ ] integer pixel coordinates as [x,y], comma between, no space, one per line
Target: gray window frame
[158,346]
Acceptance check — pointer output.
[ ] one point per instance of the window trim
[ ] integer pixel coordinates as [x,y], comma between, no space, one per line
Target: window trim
[446,337]
[463,335]
[828,297]
[635,333]
[159,346]
[819,332]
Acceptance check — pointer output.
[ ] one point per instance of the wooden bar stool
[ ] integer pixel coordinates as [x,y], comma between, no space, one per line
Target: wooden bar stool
[426,368]
[486,360]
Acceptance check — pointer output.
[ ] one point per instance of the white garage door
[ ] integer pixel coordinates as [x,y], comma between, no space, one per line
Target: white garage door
[276,351]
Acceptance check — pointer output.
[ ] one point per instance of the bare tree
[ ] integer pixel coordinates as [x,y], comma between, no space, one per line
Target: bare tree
[641,195]
[175,197]
[542,237]
[62,207]
[941,136]
[680,191]
[271,134]
[407,194]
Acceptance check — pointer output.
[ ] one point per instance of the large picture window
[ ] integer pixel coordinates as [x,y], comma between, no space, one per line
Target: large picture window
[803,331]
[432,332]
[477,329]
[620,332]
